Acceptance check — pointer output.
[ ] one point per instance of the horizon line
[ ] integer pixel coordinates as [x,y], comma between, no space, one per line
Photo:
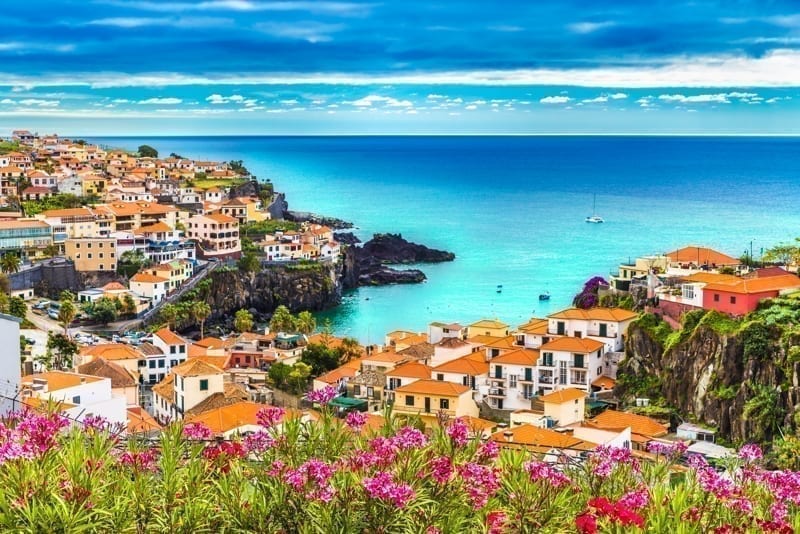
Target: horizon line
[554,134]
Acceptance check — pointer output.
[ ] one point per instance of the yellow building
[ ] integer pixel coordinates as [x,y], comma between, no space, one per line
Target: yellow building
[92,253]
[566,406]
[176,272]
[92,185]
[244,209]
[488,327]
[129,216]
[428,398]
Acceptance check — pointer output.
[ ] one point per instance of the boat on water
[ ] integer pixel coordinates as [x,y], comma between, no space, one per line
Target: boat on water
[544,296]
[594,217]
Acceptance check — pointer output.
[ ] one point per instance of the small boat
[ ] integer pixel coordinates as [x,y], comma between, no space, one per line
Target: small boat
[594,217]
[544,296]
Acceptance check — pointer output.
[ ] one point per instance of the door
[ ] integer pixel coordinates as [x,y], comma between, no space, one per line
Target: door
[560,328]
[528,374]
[498,371]
[603,330]
[427,405]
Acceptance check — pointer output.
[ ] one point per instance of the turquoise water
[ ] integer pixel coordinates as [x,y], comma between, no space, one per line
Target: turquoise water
[513,209]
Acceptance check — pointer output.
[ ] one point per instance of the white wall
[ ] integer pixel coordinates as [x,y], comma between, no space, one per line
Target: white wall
[10,374]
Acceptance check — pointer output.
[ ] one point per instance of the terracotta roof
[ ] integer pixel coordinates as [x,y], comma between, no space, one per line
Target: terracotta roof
[507,342]
[534,326]
[13,225]
[230,417]
[69,212]
[210,343]
[710,278]
[639,424]
[518,357]
[581,345]
[604,382]
[395,334]
[531,435]
[60,379]
[563,395]
[333,377]
[231,394]
[169,337]
[32,190]
[488,323]
[155,228]
[147,278]
[114,286]
[466,365]
[132,208]
[476,424]
[483,340]
[434,387]
[120,377]
[419,351]
[415,339]
[747,286]
[385,357]
[148,349]
[222,218]
[595,314]
[141,422]
[411,370]
[451,343]
[112,352]
[701,256]
[164,389]
[216,361]
[196,367]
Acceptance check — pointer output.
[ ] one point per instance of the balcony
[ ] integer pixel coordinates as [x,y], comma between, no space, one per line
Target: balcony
[545,379]
[497,393]
[525,380]
[496,379]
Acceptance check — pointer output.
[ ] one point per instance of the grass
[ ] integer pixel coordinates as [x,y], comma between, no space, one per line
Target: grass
[217,182]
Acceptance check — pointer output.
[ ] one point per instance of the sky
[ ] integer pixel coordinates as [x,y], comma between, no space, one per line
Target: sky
[206,67]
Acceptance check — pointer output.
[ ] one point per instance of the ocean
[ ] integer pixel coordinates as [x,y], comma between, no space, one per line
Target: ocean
[512,209]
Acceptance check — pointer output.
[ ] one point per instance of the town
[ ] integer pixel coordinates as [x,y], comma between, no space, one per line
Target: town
[75,209]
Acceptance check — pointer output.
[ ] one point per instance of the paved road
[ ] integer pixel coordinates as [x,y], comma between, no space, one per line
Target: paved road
[45,323]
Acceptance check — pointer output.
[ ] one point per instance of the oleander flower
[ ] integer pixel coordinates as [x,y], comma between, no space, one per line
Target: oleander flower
[441,469]
[488,451]
[356,420]
[496,521]
[751,453]
[322,396]
[586,523]
[383,487]
[270,416]
[635,499]
[409,438]
[480,482]
[197,432]
[545,471]
[458,432]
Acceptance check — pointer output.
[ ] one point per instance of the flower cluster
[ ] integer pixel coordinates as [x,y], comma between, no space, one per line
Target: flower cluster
[197,432]
[545,471]
[601,507]
[312,478]
[458,432]
[604,459]
[271,416]
[441,469]
[383,487]
[356,420]
[668,450]
[32,436]
[139,461]
[480,482]
[322,396]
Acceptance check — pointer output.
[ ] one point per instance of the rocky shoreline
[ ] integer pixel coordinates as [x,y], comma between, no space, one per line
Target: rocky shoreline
[374,258]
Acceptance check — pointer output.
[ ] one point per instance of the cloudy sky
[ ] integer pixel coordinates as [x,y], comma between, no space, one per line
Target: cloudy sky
[411,66]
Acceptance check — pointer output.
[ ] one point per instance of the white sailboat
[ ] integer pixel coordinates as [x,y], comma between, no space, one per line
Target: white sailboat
[594,217]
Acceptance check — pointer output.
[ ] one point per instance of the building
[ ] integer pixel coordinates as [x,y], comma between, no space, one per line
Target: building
[565,406]
[640,268]
[607,325]
[428,398]
[694,258]
[76,223]
[80,395]
[487,327]
[92,253]
[10,374]
[26,238]
[150,287]
[189,384]
[170,350]
[234,419]
[569,362]
[124,383]
[216,236]
[128,216]
[643,429]
[176,272]
[405,374]
[742,296]
[512,379]
[542,441]
[121,354]
[437,331]
[471,371]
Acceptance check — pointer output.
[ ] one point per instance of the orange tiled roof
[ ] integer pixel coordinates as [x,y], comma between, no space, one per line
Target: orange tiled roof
[534,326]
[132,208]
[596,314]
[563,395]
[503,343]
[710,278]
[160,226]
[164,389]
[140,422]
[581,345]
[222,218]
[411,370]
[216,361]
[60,380]
[196,367]
[385,357]
[230,417]
[530,435]
[518,357]
[394,335]
[488,323]
[120,376]
[639,424]
[605,382]
[113,286]
[748,286]
[433,387]
[112,352]
[466,365]
[333,377]
[476,424]
[701,256]
[211,343]
[169,337]
[147,278]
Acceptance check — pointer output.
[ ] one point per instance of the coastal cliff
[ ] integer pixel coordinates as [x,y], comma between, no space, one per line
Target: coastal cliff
[372,260]
[742,378]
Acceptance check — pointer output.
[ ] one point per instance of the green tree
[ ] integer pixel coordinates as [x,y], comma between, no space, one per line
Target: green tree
[305,323]
[4,302]
[67,311]
[297,380]
[279,374]
[282,320]
[169,314]
[320,358]
[10,263]
[103,311]
[763,410]
[249,263]
[60,352]
[128,304]
[782,254]
[5,283]
[786,452]
[243,321]
[201,311]
[351,350]
[17,307]
[51,250]
[146,151]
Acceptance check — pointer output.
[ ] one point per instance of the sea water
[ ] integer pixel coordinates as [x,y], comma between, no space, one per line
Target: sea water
[513,209]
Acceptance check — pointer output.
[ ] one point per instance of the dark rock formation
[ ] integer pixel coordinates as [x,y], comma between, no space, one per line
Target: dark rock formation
[278,207]
[346,238]
[247,189]
[393,249]
[710,376]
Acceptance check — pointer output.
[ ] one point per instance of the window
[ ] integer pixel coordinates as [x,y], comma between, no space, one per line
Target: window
[562,372]
[733,300]
[101,267]
[89,255]
[444,404]
[161,364]
[151,364]
[603,330]
[76,399]
[172,349]
[356,390]
[88,245]
[716,297]
[182,349]
[687,291]
[101,254]
[204,384]
[547,359]
[439,376]
[560,328]
[512,381]
[409,400]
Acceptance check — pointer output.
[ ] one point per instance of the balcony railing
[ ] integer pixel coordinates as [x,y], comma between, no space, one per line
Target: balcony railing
[544,379]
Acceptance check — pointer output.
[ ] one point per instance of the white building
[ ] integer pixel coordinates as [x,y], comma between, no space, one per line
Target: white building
[607,325]
[512,379]
[150,287]
[173,350]
[81,395]
[568,362]
[189,384]
[10,375]
[438,331]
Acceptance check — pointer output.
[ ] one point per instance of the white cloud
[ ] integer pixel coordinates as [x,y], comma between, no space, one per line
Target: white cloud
[8,101]
[322,7]
[718,98]
[217,98]
[176,22]
[120,101]
[617,96]
[471,107]
[435,97]
[595,100]
[311,31]
[369,101]
[589,27]
[289,102]
[555,100]
[161,101]
[39,102]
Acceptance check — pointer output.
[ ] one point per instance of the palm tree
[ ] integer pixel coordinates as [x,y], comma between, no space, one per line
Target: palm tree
[201,311]
[243,321]
[282,320]
[763,410]
[305,323]
[351,349]
[67,311]
[10,263]
[169,313]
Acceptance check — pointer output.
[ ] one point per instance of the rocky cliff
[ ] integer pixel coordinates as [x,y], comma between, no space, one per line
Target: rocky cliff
[393,249]
[746,383]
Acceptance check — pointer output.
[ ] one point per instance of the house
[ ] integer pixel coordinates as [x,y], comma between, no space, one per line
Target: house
[170,350]
[565,406]
[437,331]
[449,349]
[244,210]
[512,379]
[150,287]
[92,253]
[189,384]
[36,193]
[699,258]
[742,296]
[543,441]
[235,419]
[607,325]
[695,433]
[163,244]
[76,223]
[640,268]
[569,362]
[123,355]
[368,386]
[217,236]
[428,398]
[471,370]
[127,216]
[487,327]
[405,374]
[80,395]
[124,383]
[643,429]
[141,422]
[25,237]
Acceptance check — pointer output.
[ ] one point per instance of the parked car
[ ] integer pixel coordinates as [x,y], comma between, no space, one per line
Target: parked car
[41,305]
[52,313]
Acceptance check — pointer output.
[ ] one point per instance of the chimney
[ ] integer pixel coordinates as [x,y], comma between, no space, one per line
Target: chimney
[40,384]
[83,380]
[509,435]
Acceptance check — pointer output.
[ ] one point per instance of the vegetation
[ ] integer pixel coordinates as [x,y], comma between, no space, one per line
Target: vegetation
[200,312]
[336,475]
[58,201]
[243,321]
[764,410]
[291,378]
[60,352]
[104,310]
[321,358]
[588,297]
[249,263]
[238,167]
[17,307]
[146,151]
[268,226]
[282,320]
[67,311]
[10,263]
[131,262]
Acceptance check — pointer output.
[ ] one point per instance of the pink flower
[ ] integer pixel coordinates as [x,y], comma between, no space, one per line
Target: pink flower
[96,422]
[409,438]
[322,396]
[544,471]
[488,451]
[258,442]
[586,523]
[480,482]
[635,499]
[495,521]
[356,420]
[383,487]
[458,432]
[751,453]
[313,479]
[441,469]
[671,450]
[433,530]
[270,416]
[145,460]
[197,432]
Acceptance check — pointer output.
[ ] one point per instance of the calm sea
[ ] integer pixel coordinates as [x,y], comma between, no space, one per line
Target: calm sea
[512,209]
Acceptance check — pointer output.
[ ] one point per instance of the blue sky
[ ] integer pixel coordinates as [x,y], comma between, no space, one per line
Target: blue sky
[107,67]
